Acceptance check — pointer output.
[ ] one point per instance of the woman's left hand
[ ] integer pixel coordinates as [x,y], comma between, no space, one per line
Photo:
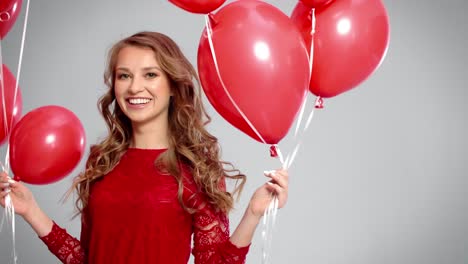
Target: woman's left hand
[263,196]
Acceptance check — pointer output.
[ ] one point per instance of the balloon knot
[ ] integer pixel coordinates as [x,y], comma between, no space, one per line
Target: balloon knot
[273,151]
[319,103]
[212,19]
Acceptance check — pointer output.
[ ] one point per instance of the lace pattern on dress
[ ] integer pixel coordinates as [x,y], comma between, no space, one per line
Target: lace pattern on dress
[65,247]
[211,239]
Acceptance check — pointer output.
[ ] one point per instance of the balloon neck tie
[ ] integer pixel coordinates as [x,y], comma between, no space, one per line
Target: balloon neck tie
[319,102]
[212,20]
[274,151]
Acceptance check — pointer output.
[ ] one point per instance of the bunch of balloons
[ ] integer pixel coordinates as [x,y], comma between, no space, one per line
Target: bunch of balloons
[256,64]
[48,142]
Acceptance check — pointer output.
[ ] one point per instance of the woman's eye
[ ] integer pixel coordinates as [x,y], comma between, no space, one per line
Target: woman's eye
[151,74]
[123,76]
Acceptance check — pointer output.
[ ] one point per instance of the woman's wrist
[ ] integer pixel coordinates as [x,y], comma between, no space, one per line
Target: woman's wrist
[39,221]
[252,215]
[244,232]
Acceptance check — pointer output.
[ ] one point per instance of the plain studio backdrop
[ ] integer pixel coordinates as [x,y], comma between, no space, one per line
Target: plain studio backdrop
[381,176]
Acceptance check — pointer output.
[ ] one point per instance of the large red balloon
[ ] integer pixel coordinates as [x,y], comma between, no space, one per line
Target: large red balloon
[9,12]
[263,63]
[46,145]
[198,6]
[316,3]
[13,107]
[350,42]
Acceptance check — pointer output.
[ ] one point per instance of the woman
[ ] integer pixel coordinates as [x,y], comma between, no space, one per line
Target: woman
[156,179]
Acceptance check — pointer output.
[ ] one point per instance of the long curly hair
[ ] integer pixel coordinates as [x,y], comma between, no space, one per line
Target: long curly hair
[190,143]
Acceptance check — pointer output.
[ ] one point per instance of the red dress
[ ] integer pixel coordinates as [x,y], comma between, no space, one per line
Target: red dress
[134,216]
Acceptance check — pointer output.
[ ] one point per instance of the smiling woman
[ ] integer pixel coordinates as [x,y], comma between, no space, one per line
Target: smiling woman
[142,89]
[157,179]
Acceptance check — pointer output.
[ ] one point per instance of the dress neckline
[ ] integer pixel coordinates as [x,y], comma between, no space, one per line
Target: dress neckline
[146,150]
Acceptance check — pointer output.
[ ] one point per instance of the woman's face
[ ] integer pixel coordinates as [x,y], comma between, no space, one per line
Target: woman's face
[141,88]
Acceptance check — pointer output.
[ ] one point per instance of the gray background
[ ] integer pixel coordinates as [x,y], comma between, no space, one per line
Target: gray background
[381,176]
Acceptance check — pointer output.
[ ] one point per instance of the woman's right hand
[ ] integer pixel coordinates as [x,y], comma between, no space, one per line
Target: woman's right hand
[25,204]
[21,197]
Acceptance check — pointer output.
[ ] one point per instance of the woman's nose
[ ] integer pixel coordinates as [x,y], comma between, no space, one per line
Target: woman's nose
[136,86]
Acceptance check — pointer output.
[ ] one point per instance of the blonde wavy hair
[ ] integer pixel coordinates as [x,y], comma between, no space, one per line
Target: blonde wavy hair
[190,143]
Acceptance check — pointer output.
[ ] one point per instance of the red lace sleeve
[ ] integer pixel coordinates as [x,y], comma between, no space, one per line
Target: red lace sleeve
[65,247]
[211,236]
[211,239]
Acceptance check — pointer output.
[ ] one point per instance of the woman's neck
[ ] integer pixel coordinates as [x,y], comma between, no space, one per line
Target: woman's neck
[150,136]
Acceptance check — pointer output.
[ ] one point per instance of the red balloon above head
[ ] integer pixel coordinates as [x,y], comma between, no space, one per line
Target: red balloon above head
[9,12]
[262,61]
[350,42]
[198,6]
[46,145]
[316,3]
[13,106]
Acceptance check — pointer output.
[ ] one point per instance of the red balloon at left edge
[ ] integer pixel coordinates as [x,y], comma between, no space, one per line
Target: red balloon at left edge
[46,145]
[198,6]
[9,12]
[13,109]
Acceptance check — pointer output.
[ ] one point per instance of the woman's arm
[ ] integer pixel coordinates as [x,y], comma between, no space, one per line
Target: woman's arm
[212,244]
[260,200]
[60,243]
[25,205]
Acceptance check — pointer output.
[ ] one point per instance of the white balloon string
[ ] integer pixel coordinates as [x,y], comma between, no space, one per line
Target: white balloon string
[269,220]
[301,114]
[291,156]
[18,75]
[9,214]
[271,212]
[213,54]
[9,207]
[312,34]
[270,215]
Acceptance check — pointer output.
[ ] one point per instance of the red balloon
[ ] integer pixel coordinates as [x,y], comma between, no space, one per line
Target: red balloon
[263,63]
[316,3]
[13,109]
[350,42]
[198,6]
[9,12]
[46,145]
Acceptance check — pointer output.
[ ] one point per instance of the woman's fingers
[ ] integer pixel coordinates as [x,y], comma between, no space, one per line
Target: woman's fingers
[278,185]
[281,193]
[4,192]
[273,187]
[279,177]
